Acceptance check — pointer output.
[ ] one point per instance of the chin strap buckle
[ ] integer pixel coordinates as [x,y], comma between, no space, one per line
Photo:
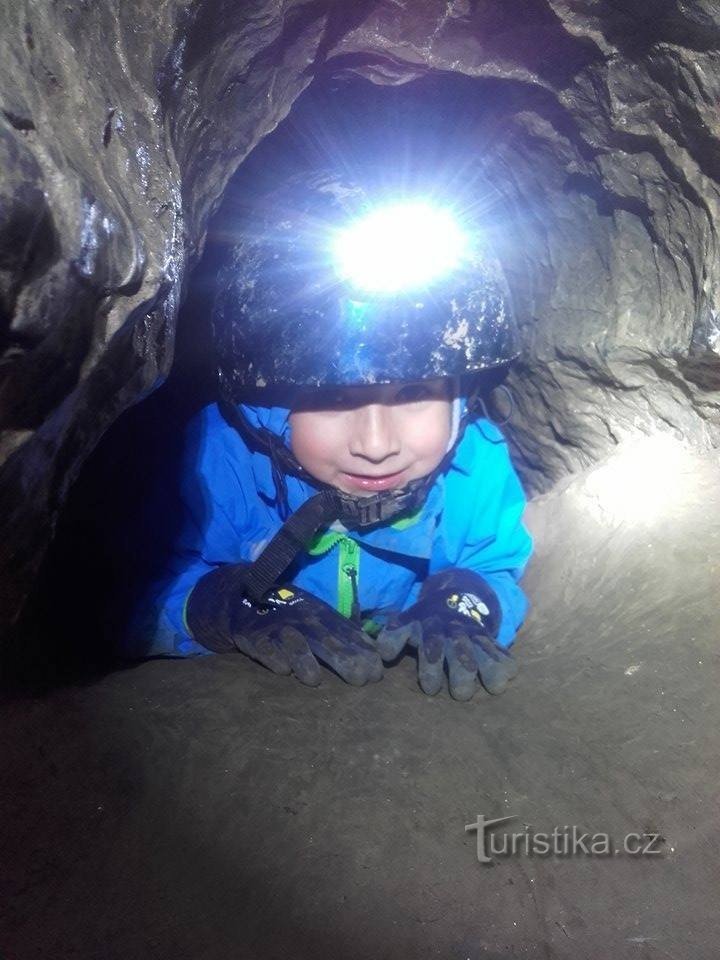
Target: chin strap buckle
[366,511]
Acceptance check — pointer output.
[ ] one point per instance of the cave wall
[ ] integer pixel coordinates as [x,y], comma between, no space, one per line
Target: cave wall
[596,133]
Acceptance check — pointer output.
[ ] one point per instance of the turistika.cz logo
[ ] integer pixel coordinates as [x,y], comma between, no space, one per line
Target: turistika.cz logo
[565,841]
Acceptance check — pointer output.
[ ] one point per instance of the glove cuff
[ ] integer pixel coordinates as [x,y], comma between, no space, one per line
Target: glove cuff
[209,606]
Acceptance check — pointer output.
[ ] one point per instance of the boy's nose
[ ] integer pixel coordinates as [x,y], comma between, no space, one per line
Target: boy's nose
[373,433]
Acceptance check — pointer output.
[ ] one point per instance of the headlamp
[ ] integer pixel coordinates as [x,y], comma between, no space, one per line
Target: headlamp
[401,246]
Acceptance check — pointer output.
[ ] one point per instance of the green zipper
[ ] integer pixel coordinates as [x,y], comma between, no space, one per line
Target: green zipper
[348,573]
[348,577]
[348,569]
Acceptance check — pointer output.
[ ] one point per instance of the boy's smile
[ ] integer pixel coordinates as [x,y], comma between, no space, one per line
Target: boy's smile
[374,483]
[369,438]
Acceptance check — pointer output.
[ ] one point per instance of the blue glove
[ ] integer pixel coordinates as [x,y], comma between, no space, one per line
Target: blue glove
[454,622]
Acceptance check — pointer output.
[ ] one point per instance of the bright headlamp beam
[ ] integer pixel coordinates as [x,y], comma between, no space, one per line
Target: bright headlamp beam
[400,246]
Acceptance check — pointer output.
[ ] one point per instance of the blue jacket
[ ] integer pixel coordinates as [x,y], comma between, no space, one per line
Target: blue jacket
[471,519]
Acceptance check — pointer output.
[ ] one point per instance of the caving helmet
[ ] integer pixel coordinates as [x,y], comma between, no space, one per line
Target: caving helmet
[328,285]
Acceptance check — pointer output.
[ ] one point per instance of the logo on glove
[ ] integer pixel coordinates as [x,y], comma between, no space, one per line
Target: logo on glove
[469,606]
[280,597]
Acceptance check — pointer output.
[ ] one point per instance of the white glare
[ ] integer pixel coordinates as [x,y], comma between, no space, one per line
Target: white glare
[646,480]
[399,247]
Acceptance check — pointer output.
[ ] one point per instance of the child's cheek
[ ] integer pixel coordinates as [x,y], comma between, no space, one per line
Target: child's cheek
[428,435]
[313,440]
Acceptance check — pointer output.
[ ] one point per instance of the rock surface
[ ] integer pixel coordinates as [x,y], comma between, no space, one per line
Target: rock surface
[120,126]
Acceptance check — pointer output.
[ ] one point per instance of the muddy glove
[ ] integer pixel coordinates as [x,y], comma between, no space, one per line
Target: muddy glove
[454,621]
[286,634]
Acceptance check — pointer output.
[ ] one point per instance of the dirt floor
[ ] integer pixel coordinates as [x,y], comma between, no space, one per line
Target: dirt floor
[209,810]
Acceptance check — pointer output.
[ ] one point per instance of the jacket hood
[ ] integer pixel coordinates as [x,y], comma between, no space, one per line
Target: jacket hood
[277,421]
[274,419]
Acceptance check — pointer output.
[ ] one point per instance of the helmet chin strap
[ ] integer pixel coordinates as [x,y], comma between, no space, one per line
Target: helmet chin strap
[455,411]
[329,504]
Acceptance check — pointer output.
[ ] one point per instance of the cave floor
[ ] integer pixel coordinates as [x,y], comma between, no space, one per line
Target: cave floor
[207,809]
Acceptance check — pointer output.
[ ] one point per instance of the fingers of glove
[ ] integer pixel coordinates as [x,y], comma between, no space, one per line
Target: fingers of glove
[375,671]
[431,662]
[486,647]
[296,649]
[352,635]
[346,632]
[460,647]
[354,638]
[462,665]
[496,674]
[495,665]
[462,683]
[391,640]
[356,661]
[260,647]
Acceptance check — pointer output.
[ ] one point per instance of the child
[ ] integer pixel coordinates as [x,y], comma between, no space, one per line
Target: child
[371,507]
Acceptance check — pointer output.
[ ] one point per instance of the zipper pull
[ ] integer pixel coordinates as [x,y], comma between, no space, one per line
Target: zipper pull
[350,570]
[349,564]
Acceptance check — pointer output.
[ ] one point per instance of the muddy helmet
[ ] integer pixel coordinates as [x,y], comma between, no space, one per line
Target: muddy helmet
[328,283]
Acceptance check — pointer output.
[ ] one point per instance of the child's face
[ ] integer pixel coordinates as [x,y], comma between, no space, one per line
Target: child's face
[363,439]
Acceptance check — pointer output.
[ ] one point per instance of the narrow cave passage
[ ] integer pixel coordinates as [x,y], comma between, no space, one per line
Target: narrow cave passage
[205,807]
